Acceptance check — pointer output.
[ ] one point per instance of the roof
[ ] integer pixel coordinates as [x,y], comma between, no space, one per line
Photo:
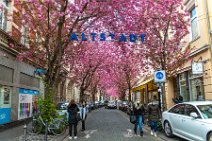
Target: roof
[198,102]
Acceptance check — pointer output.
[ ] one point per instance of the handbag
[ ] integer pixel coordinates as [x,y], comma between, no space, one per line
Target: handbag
[78,117]
[133,119]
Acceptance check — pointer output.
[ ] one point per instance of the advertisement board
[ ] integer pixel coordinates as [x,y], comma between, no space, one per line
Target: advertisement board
[25,109]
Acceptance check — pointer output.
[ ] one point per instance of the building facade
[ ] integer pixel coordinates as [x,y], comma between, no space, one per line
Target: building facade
[194,80]
[19,86]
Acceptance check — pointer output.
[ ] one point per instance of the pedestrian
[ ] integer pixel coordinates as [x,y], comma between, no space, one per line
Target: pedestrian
[153,115]
[138,111]
[83,115]
[73,121]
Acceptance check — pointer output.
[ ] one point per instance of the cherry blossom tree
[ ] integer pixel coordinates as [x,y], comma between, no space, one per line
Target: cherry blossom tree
[50,24]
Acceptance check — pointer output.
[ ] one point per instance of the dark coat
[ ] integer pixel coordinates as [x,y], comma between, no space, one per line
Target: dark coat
[139,112]
[72,111]
[153,112]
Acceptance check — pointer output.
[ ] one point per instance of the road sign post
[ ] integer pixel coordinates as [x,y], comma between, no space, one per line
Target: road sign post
[160,79]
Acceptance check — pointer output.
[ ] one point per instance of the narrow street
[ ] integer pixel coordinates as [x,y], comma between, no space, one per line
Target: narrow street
[110,125]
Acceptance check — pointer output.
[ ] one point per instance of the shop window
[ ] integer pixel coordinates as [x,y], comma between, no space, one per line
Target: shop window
[197,90]
[6,96]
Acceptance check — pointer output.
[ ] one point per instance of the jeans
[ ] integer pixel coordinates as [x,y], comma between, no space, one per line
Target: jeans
[154,125]
[75,129]
[138,124]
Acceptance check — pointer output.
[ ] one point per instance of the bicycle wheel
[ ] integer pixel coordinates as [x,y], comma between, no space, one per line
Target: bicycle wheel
[37,126]
[58,127]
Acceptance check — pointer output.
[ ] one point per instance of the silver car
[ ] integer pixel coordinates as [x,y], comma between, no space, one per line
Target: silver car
[190,120]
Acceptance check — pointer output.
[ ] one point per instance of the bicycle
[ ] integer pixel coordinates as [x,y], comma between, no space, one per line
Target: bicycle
[56,126]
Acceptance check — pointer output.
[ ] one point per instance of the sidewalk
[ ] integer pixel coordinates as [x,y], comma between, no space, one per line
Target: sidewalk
[17,134]
[160,135]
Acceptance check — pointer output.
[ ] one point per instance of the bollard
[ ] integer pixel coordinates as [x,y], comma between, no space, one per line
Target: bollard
[25,132]
[46,130]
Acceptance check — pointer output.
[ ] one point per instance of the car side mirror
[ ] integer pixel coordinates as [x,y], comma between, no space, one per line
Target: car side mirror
[194,115]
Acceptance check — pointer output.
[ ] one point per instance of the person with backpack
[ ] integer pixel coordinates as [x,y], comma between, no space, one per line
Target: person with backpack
[154,115]
[139,111]
[73,119]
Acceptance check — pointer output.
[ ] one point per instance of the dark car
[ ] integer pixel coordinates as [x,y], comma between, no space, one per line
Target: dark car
[124,106]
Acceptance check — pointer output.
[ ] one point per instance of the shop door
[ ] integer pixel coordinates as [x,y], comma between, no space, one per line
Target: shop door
[5,104]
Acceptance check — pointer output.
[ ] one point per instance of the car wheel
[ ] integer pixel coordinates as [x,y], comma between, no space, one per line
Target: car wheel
[209,137]
[168,129]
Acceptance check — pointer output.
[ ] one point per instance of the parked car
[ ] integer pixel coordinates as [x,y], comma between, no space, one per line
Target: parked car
[189,120]
[125,105]
[111,105]
[62,109]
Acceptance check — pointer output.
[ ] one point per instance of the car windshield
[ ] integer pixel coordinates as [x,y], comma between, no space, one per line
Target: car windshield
[206,110]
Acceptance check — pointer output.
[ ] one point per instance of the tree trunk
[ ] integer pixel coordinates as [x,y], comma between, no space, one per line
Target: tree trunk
[81,95]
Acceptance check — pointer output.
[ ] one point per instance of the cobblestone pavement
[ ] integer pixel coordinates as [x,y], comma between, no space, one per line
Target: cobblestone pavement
[34,137]
[16,134]
[110,125]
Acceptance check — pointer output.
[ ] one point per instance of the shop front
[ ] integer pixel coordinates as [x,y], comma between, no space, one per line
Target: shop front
[146,89]
[5,104]
[27,103]
[191,86]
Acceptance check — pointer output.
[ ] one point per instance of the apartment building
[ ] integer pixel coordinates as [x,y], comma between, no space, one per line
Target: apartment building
[19,86]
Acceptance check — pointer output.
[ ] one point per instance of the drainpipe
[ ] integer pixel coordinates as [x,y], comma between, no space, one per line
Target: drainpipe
[209,25]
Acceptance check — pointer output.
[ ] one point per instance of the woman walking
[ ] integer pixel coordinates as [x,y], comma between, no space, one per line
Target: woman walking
[154,115]
[139,110]
[73,121]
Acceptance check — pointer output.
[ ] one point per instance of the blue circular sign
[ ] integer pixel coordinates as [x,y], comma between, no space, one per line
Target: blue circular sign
[159,75]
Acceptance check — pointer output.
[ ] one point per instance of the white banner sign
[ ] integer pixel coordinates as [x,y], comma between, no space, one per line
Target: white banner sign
[197,68]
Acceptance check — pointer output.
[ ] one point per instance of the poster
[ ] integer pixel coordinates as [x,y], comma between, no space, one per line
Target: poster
[25,103]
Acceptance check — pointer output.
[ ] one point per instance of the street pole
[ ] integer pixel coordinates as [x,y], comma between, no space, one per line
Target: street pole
[25,132]
[46,130]
[160,97]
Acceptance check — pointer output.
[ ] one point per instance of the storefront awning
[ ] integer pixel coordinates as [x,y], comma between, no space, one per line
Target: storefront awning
[142,84]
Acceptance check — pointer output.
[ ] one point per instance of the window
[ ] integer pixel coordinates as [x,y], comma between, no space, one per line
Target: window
[206,110]
[3,15]
[189,109]
[6,96]
[178,109]
[194,25]
[24,38]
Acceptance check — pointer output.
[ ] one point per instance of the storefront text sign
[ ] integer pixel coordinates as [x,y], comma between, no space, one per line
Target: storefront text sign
[107,37]
[197,68]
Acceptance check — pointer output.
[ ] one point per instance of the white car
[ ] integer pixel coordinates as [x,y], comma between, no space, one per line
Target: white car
[62,108]
[189,120]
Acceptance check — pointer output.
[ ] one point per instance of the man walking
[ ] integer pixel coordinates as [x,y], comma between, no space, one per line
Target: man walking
[83,115]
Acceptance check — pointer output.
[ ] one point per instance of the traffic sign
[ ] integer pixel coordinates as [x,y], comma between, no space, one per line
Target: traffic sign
[159,76]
